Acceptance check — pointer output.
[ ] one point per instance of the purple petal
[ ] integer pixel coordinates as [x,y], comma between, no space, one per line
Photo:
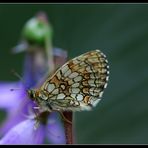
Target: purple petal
[24,133]
[13,118]
[60,57]
[9,98]
[16,115]
[55,131]
[12,102]
[60,52]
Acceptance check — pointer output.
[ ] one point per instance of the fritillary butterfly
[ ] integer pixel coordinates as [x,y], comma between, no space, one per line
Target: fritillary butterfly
[77,85]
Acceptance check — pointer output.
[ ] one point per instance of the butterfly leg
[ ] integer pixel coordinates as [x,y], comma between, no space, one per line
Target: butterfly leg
[63,117]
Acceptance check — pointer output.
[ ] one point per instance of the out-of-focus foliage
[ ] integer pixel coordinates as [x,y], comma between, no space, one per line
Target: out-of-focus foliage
[121,32]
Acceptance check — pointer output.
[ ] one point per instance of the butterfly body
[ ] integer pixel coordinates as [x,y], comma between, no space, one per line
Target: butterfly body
[78,85]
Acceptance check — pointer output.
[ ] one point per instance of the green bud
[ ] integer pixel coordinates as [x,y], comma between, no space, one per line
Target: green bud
[36,31]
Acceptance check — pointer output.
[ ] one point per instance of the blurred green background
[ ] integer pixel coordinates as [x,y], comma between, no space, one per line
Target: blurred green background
[121,32]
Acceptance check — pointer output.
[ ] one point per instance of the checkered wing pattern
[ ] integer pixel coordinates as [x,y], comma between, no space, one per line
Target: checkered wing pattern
[79,83]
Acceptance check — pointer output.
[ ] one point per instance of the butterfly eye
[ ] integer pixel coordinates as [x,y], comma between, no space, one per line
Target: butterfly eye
[31,94]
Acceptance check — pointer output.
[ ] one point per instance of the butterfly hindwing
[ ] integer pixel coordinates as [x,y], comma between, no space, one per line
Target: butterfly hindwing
[79,83]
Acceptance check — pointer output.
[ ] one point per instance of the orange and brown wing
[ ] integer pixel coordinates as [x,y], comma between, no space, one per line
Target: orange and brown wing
[79,83]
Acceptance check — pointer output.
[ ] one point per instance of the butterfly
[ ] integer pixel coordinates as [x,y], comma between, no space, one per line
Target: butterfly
[76,86]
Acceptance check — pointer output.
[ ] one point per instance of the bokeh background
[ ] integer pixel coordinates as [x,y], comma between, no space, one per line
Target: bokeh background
[121,32]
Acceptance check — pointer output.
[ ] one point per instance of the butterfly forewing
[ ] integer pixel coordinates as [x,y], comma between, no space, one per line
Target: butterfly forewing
[79,83]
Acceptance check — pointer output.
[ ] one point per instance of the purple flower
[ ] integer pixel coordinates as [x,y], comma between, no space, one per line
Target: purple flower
[19,129]
[26,133]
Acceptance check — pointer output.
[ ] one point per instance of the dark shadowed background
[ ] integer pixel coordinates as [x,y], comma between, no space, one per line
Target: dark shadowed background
[121,32]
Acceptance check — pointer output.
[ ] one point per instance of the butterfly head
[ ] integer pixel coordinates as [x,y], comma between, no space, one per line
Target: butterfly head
[32,94]
[37,95]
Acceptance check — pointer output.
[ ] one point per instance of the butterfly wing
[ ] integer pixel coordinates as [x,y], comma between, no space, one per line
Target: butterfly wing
[79,83]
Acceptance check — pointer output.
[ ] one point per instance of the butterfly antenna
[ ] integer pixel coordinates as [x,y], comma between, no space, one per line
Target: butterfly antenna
[64,118]
[12,89]
[21,79]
